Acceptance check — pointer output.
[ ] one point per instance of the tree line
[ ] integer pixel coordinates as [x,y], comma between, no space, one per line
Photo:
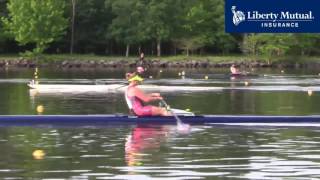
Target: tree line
[128,27]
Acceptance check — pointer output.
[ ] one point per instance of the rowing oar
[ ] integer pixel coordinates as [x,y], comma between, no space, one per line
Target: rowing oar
[180,125]
[121,87]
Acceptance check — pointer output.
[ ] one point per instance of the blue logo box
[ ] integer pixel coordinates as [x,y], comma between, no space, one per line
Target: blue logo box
[272,16]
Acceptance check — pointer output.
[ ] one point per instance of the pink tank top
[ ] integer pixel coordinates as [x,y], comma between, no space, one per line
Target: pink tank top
[132,101]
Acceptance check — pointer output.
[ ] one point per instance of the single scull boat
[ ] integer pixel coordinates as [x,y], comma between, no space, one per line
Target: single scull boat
[75,88]
[96,120]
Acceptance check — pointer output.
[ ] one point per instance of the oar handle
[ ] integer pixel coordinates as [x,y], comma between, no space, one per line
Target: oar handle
[166,105]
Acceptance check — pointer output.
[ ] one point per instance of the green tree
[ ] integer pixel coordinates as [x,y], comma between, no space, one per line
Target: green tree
[213,27]
[127,25]
[249,44]
[203,23]
[89,21]
[3,10]
[189,44]
[73,14]
[274,45]
[159,19]
[3,13]
[190,38]
[305,43]
[36,21]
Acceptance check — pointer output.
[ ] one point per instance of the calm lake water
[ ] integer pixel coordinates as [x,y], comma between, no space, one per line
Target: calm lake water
[158,152]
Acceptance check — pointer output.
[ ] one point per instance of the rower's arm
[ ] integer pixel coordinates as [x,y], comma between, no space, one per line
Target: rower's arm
[146,97]
[155,94]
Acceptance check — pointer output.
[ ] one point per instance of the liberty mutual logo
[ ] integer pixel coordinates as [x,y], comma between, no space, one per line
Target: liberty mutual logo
[238,16]
[277,16]
[272,19]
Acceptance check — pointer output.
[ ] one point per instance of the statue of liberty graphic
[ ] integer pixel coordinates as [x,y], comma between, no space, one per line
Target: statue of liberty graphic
[238,16]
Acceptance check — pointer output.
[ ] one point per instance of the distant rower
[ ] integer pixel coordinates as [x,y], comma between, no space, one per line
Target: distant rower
[234,70]
[136,98]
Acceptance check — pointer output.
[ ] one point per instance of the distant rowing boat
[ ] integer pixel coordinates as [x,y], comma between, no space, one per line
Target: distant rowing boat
[97,120]
[80,88]
[222,76]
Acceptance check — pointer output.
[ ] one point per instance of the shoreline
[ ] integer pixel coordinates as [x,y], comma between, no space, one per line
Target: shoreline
[84,61]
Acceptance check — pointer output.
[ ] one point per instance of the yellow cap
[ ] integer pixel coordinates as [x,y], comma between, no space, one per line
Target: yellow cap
[136,78]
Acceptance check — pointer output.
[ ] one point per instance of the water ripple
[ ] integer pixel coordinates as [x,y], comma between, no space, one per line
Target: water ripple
[158,152]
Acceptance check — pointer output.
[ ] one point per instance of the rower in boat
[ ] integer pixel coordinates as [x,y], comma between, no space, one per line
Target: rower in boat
[136,99]
[235,71]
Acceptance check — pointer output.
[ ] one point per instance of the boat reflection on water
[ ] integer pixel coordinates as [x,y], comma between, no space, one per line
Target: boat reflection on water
[144,140]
